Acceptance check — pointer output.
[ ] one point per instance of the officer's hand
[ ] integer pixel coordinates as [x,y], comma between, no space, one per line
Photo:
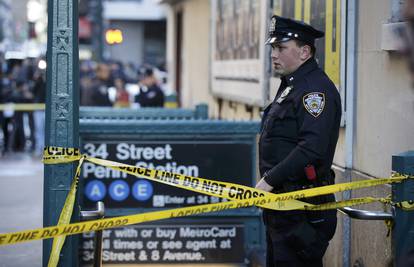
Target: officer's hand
[262,185]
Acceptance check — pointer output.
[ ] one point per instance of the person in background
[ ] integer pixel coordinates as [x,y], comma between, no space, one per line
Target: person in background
[98,94]
[122,96]
[86,78]
[130,71]
[3,118]
[21,94]
[7,114]
[297,143]
[39,91]
[117,70]
[150,94]
[26,76]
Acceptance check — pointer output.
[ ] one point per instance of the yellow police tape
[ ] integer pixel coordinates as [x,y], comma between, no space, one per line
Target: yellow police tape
[102,224]
[239,196]
[284,201]
[22,106]
[64,217]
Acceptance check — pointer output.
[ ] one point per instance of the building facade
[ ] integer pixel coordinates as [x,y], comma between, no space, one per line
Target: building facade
[209,60]
[142,24]
[23,27]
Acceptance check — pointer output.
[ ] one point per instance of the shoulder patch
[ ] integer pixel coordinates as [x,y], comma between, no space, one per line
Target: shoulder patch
[314,103]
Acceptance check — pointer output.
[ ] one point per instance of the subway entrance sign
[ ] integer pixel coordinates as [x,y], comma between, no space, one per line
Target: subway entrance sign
[217,150]
[210,159]
[164,243]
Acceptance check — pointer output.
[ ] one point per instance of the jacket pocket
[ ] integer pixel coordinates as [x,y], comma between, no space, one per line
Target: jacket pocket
[282,123]
[306,241]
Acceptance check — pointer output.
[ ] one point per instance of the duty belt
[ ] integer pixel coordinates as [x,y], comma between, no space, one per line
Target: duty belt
[300,185]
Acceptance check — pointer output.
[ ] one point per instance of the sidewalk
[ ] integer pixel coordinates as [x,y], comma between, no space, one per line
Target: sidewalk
[21,207]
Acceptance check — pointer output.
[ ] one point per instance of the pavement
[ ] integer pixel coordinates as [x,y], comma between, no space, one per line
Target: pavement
[21,207]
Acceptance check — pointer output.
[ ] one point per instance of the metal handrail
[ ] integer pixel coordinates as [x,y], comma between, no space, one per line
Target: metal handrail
[87,215]
[367,215]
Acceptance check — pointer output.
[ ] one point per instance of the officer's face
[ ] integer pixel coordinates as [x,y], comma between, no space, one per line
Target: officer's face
[287,57]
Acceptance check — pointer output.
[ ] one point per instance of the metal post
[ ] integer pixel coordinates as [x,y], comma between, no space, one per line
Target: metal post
[62,119]
[95,9]
[201,111]
[99,213]
[403,231]
[349,80]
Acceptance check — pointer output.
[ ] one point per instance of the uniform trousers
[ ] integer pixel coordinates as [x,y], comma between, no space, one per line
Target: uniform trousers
[298,238]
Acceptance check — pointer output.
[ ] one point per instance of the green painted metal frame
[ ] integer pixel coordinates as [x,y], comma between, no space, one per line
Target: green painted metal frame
[62,117]
[403,231]
[199,131]
[108,113]
[159,130]
[190,127]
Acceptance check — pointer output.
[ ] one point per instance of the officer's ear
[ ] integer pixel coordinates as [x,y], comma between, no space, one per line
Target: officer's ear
[305,52]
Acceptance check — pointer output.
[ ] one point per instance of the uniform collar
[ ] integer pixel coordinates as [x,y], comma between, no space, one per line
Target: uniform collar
[305,68]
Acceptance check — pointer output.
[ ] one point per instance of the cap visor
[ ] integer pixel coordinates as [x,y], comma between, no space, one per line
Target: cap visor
[274,40]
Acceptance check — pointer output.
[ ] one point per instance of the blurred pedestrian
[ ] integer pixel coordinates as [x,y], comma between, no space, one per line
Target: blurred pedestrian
[2,101]
[21,94]
[86,76]
[130,72]
[117,70]
[150,93]
[39,91]
[296,147]
[96,94]
[122,96]
[26,76]
[7,114]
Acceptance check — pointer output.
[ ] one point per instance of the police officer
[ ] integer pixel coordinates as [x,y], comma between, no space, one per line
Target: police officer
[150,94]
[297,144]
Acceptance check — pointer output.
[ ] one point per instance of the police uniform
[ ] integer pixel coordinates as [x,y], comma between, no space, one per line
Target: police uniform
[299,133]
[149,95]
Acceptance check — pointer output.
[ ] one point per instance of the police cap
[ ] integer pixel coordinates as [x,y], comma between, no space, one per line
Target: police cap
[145,71]
[284,29]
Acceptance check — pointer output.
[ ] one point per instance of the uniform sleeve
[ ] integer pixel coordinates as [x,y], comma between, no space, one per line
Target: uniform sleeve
[316,114]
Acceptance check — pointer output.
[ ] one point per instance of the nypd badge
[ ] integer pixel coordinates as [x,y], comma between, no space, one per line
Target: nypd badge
[314,103]
[272,26]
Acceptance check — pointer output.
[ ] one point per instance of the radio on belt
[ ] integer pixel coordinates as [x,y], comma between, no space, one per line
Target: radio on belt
[310,172]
